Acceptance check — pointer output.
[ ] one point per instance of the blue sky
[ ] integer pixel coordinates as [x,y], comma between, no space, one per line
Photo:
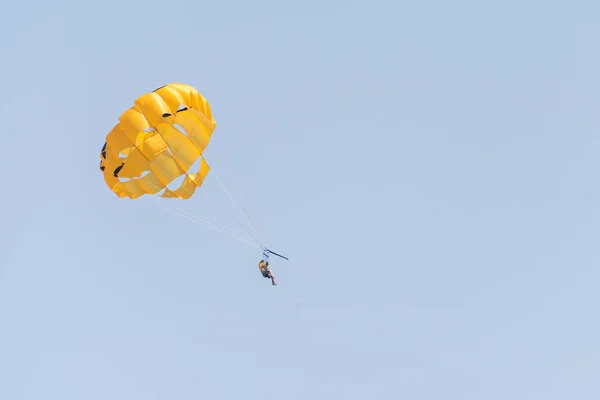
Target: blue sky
[429,168]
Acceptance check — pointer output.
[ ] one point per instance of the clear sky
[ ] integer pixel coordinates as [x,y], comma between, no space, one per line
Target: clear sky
[430,168]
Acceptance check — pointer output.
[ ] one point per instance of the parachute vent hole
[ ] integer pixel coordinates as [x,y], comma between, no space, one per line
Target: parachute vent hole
[193,169]
[176,183]
[165,115]
[148,130]
[143,174]
[123,154]
[182,107]
[181,129]
[103,152]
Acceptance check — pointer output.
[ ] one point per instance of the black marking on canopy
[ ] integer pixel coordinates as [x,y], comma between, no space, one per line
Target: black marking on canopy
[117,170]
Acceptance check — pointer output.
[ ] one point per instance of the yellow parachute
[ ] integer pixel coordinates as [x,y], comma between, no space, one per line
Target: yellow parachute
[157,141]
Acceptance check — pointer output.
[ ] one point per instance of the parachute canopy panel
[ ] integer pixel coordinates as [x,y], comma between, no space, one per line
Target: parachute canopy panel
[158,140]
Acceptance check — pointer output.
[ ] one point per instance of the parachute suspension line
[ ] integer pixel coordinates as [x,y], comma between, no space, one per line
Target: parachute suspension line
[262,242]
[199,220]
[248,215]
[172,149]
[222,227]
[223,207]
[251,217]
[195,219]
[213,226]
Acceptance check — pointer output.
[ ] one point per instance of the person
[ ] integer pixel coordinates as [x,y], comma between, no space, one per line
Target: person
[266,271]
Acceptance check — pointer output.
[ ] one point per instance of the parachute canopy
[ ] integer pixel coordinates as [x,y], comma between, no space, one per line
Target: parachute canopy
[157,141]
